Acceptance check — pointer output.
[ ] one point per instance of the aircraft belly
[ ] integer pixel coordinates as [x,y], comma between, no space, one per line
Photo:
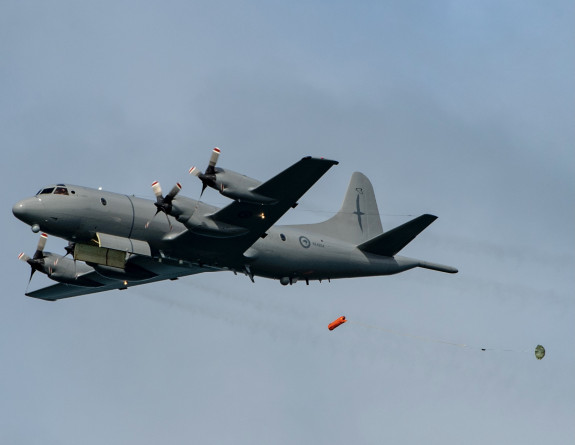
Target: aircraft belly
[330,264]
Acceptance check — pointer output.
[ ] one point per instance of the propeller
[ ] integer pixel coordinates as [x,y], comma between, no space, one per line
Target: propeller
[164,203]
[208,178]
[37,261]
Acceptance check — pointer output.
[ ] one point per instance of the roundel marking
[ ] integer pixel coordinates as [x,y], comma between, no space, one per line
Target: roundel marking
[305,242]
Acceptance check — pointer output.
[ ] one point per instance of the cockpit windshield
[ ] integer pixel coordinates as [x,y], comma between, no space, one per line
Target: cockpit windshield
[60,189]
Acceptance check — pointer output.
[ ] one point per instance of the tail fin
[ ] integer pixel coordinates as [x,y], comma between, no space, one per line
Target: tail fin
[391,242]
[358,219]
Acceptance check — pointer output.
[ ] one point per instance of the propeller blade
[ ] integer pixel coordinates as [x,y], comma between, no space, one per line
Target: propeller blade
[40,249]
[214,157]
[42,242]
[31,275]
[175,190]
[169,222]
[195,171]
[157,189]
[204,187]
[23,257]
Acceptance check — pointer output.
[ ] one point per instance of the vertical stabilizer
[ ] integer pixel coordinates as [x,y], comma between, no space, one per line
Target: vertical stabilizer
[358,218]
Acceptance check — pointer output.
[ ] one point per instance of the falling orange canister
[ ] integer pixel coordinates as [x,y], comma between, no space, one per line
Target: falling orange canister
[334,324]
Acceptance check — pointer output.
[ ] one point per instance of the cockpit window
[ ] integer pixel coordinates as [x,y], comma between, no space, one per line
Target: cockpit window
[61,191]
[46,191]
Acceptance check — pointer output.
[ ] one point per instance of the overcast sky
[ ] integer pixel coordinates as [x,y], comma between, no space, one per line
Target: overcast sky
[463,109]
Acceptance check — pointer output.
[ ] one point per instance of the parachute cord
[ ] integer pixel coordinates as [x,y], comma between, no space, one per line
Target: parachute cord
[403,334]
[433,340]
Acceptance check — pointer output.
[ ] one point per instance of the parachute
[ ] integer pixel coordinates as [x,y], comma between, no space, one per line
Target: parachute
[539,352]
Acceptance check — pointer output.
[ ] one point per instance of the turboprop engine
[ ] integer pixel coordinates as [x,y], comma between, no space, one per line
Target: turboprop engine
[229,183]
[58,267]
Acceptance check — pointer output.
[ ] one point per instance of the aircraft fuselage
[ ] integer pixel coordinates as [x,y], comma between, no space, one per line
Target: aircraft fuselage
[287,253]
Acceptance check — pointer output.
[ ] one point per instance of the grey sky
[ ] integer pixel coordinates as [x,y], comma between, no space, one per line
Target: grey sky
[462,109]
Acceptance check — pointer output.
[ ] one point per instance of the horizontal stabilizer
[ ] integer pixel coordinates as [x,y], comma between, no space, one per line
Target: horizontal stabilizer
[391,242]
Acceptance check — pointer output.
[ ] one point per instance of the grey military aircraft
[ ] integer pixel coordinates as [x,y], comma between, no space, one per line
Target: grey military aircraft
[117,241]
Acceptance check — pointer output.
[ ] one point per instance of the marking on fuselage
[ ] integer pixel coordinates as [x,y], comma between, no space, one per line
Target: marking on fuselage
[305,242]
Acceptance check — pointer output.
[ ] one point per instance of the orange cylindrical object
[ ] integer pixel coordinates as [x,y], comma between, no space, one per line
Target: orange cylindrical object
[334,324]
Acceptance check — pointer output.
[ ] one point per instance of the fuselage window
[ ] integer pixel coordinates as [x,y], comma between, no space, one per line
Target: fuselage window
[61,191]
[104,202]
[282,236]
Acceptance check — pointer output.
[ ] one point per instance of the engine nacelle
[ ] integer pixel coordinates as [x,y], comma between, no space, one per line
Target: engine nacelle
[195,215]
[246,196]
[233,185]
[66,270]
[239,187]
[204,225]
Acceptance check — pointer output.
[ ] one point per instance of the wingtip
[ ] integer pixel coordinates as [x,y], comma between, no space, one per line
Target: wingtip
[331,161]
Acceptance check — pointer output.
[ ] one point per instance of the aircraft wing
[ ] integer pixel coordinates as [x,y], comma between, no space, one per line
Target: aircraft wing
[249,221]
[61,290]
[302,174]
[287,188]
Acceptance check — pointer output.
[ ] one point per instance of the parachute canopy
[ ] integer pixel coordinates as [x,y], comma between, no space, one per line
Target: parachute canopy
[539,352]
[334,324]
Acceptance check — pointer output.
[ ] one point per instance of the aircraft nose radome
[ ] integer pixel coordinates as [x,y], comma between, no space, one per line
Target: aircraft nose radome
[19,209]
[26,209]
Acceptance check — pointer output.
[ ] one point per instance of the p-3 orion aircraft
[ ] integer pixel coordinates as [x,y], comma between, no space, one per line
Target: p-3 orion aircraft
[117,241]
